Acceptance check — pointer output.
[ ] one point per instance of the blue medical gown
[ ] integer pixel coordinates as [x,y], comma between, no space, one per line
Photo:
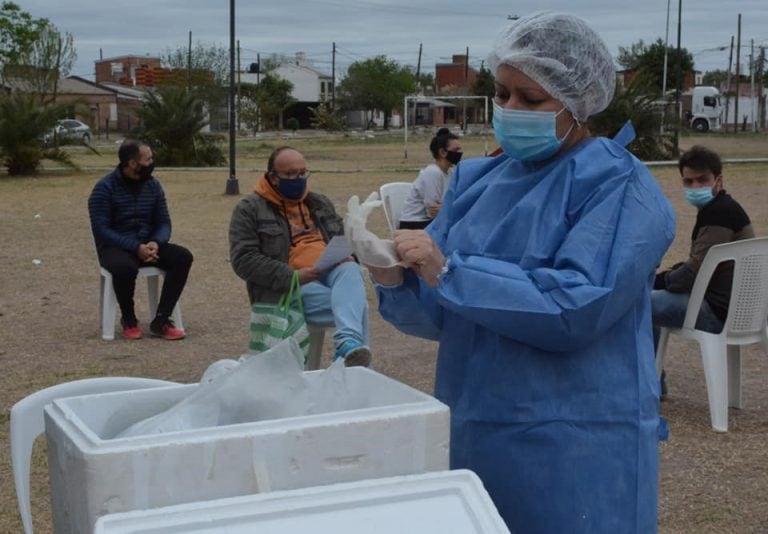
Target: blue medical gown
[546,354]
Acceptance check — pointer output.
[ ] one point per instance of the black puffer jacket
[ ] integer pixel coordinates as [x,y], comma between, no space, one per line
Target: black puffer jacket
[126,213]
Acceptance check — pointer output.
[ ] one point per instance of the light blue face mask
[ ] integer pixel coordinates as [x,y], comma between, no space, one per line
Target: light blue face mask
[527,135]
[699,196]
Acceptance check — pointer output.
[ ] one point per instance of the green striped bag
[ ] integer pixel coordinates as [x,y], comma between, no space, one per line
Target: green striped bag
[272,323]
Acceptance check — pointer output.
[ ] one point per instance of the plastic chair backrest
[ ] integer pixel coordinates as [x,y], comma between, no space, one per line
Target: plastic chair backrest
[393,196]
[748,306]
[27,423]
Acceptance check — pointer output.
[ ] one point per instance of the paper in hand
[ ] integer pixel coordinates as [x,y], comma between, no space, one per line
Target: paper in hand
[336,250]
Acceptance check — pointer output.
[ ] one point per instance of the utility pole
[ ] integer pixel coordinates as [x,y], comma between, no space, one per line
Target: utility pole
[752,84]
[189,62]
[239,67]
[333,77]
[664,75]
[418,66]
[738,75]
[679,70]
[233,187]
[760,97]
[466,92]
[728,87]
[258,81]
[666,54]
[421,91]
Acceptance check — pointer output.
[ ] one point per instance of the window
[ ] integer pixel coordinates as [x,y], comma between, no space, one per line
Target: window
[710,101]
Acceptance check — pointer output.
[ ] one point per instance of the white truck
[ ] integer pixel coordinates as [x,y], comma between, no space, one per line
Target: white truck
[706,109]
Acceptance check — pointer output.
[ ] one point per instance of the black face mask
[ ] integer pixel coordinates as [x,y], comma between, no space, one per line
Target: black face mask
[453,157]
[145,172]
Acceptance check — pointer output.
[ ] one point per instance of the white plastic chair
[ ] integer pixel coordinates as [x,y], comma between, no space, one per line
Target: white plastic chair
[108,302]
[316,341]
[393,196]
[27,423]
[745,324]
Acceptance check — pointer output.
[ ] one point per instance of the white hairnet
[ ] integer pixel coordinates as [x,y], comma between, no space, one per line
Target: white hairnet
[563,55]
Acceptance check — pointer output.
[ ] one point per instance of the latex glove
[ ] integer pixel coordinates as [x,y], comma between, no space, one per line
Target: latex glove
[367,246]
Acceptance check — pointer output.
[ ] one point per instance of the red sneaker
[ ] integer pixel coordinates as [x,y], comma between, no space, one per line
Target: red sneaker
[166,330]
[132,331]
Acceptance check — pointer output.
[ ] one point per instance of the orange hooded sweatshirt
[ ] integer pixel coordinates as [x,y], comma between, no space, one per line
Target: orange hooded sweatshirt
[307,243]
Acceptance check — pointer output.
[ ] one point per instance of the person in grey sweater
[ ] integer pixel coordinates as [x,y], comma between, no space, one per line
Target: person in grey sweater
[426,197]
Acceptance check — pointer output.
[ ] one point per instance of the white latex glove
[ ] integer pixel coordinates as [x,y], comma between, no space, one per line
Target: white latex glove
[367,246]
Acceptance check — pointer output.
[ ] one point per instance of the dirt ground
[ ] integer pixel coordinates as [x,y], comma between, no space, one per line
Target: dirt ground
[49,326]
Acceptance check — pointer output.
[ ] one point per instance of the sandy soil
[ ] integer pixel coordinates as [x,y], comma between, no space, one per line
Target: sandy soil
[50,333]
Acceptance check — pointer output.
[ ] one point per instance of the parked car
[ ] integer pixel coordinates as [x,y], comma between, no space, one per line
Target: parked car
[69,130]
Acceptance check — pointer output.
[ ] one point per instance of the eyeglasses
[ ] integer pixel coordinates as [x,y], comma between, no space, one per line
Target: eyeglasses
[300,174]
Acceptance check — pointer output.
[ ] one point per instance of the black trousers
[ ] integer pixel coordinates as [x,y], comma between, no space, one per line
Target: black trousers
[175,260]
[413,225]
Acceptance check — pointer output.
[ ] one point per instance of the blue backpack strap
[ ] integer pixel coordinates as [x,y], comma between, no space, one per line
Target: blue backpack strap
[626,135]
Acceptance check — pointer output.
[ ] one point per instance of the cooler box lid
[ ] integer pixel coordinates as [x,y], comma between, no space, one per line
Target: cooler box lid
[446,502]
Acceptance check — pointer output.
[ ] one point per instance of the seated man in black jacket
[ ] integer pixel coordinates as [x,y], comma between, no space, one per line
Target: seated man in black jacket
[131,227]
[720,220]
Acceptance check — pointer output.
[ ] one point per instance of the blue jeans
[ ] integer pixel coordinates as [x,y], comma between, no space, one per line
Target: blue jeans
[339,298]
[668,310]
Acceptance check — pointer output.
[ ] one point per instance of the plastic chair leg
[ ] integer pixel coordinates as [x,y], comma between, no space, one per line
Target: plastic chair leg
[27,423]
[177,316]
[153,294]
[714,360]
[661,351]
[316,340]
[108,308]
[734,376]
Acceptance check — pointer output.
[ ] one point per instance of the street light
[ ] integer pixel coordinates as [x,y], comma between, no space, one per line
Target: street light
[233,188]
[679,70]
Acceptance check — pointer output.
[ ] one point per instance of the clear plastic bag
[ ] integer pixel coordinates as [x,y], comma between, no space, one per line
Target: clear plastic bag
[258,387]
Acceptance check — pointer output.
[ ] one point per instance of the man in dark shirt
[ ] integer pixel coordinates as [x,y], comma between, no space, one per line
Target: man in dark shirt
[720,220]
[131,227]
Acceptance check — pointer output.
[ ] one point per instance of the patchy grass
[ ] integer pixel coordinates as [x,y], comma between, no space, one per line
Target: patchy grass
[49,317]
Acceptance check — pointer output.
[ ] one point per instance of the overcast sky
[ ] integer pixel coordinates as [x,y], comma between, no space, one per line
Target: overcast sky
[365,28]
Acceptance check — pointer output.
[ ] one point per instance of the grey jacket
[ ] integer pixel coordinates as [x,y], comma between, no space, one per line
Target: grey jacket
[259,241]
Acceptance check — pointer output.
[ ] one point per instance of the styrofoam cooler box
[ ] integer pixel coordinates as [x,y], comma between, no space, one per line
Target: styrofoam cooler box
[449,502]
[392,430]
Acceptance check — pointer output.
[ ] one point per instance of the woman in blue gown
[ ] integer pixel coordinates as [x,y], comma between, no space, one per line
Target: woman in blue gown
[535,278]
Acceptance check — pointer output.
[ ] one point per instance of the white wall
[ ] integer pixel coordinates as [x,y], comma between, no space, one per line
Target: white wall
[306,82]
[745,108]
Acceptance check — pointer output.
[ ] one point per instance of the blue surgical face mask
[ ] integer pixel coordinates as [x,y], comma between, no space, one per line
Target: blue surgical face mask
[699,196]
[527,135]
[292,188]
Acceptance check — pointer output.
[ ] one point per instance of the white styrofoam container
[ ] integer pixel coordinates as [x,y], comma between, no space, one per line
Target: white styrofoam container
[448,502]
[393,430]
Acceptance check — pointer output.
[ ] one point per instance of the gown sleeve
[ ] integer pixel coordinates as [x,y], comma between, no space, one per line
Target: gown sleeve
[598,271]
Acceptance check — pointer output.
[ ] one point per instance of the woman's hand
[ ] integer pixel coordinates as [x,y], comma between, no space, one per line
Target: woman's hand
[420,253]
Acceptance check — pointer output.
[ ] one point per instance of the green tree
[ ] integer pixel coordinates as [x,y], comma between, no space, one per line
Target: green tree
[484,84]
[715,77]
[23,123]
[263,105]
[212,61]
[50,58]
[324,118]
[172,123]
[426,81]
[205,72]
[376,84]
[637,104]
[648,62]
[18,32]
